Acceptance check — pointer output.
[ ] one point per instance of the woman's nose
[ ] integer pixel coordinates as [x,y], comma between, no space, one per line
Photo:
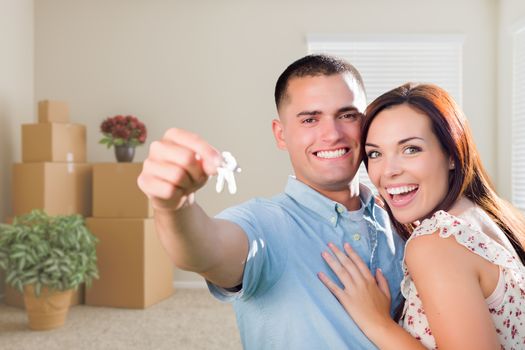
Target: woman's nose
[392,167]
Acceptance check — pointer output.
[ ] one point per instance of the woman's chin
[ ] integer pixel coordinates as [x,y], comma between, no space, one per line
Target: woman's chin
[404,219]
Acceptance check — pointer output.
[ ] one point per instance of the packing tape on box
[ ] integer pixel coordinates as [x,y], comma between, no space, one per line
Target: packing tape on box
[70,165]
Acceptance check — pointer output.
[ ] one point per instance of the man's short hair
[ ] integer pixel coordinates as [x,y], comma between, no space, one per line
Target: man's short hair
[311,66]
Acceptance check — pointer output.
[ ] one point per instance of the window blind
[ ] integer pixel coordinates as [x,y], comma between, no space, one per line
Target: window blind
[386,62]
[518,121]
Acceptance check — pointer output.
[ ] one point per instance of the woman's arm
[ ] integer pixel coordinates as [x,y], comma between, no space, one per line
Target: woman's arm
[447,278]
[367,300]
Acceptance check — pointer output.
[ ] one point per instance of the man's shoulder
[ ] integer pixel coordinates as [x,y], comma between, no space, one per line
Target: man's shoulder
[260,218]
[257,207]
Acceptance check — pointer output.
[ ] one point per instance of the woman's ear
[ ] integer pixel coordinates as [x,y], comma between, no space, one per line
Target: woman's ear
[278,133]
[451,164]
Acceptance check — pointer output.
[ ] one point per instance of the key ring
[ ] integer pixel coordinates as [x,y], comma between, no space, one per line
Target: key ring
[226,172]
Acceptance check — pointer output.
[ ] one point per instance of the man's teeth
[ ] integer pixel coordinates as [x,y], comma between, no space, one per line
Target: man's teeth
[402,189]
[331,154]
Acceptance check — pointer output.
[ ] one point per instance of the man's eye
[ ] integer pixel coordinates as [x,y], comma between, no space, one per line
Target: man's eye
[308,121]
[412,150]
[351,116]
[373,154]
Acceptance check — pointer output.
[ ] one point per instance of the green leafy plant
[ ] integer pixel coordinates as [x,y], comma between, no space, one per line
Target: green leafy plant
[58,252]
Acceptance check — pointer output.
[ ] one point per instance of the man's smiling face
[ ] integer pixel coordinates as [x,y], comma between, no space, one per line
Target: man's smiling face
[320,127]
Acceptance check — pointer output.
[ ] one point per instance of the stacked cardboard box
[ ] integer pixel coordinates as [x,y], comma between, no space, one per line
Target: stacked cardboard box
[135,271]
[53,175]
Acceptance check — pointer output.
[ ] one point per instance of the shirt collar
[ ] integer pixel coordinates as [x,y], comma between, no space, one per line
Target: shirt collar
[315,201]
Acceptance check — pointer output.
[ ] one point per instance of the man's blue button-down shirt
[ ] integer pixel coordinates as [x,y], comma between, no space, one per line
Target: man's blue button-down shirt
[282,303]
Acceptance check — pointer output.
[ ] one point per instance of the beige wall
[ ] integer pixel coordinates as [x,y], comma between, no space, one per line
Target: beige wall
[511,17]
[16,88]
[210,66]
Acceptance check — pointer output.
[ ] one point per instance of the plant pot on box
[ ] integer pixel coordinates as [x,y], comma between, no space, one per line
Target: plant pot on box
[124,153]
[44,256]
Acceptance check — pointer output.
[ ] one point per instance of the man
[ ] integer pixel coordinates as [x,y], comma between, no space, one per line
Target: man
[264,255]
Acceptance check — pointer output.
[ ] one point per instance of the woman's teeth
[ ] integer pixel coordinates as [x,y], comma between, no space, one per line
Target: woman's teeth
[401,189]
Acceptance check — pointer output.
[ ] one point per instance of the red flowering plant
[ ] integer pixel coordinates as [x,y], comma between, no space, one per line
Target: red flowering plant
[123,130]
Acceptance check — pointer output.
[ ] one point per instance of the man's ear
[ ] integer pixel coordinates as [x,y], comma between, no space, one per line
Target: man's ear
[278,133]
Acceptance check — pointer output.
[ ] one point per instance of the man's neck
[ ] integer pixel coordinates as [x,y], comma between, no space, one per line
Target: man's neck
[349,196]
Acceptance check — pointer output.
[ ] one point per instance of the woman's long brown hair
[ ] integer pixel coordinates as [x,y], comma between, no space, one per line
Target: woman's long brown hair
[468,178]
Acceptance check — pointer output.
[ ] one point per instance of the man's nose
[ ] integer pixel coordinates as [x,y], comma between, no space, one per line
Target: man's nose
[330,130]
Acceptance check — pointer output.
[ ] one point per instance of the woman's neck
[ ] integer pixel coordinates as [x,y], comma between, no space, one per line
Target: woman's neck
[461,205]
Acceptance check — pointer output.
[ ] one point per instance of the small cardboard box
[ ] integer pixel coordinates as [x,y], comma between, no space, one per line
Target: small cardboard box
[13,297]
[56,188]
[134,269]
[116,193]
[53,142]
[53,112]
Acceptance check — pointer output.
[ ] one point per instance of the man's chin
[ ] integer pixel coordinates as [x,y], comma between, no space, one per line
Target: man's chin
[335,185]
[328,181]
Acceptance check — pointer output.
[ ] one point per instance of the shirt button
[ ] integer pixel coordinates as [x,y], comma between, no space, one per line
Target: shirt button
[333,219]
[340,209]
[356,237]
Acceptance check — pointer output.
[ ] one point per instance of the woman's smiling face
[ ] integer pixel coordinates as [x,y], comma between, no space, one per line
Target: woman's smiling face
[407,163]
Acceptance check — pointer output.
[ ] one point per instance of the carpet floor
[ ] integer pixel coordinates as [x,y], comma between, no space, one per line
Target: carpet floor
[190,319]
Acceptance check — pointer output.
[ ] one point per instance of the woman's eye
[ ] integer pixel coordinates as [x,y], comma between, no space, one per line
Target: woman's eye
[412,150]
[372,154]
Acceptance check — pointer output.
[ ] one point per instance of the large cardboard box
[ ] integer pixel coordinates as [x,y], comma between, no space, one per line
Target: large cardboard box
[53,142]
[53,112]
[57,188]
[13,297]
[134,269]
[116,193]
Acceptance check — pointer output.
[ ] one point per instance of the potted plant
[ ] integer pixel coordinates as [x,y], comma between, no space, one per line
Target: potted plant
[125,133]
[46,258]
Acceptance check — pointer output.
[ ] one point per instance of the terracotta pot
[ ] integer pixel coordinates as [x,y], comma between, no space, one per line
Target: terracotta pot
[47,311]
[124,153]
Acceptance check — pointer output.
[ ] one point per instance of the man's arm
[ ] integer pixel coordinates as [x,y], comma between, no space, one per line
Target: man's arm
[177,166]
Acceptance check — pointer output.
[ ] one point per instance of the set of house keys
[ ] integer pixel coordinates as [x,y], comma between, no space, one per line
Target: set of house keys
[226,173]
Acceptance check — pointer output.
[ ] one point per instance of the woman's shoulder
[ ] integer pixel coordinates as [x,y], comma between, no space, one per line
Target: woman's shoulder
[428,240]
[440,222]
[433,246]
[445,234]
[436,247]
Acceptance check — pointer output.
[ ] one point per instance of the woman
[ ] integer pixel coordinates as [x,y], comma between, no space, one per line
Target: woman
[464,280]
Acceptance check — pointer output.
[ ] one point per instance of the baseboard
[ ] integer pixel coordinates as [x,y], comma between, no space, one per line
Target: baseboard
[190,285]
[176,285]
